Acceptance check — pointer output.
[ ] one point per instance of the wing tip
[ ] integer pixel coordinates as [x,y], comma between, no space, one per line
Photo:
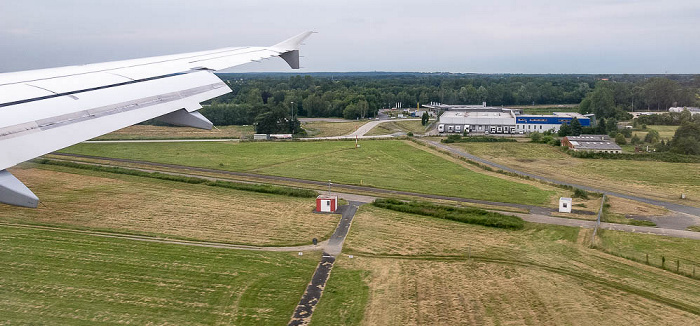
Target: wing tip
[292,43]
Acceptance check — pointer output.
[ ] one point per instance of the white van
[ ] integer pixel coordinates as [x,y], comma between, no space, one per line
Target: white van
[441,128]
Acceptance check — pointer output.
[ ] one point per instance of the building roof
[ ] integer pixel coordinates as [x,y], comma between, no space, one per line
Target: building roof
[477,118]
[587,138]
[593,142]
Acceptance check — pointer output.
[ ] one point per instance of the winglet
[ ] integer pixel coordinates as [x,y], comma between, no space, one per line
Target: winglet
[292,43]
[290,49]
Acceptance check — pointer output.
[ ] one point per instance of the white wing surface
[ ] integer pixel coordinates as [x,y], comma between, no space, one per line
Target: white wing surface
[42,111]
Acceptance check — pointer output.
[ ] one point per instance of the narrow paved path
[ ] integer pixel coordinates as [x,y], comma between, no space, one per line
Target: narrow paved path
[543,219]
[695,211]
[304,310]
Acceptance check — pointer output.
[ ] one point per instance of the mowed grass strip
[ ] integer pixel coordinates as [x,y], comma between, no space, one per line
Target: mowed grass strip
[390,164]
[62,278]
[388,128]
[147,132]
[330,129]
[459,214]
[263,188]
[662,180]
[76,198]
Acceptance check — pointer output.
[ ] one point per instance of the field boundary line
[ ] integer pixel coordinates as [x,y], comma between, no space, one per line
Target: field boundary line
[597,222]
[153,239]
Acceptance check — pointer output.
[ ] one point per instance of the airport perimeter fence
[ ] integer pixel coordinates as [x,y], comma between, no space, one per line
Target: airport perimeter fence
[672,264]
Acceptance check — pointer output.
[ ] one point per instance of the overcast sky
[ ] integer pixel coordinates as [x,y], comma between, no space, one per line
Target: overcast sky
[536,36]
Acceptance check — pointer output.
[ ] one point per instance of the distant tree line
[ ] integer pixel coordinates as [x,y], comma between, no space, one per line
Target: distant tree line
[281,98]
[611,99]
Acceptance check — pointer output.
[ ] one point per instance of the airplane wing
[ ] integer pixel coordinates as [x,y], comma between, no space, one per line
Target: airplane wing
[42,111]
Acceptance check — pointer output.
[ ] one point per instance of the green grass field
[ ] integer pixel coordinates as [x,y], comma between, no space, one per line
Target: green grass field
[385,164]
[661,180]
[665,132]
[638,246]
[61,278]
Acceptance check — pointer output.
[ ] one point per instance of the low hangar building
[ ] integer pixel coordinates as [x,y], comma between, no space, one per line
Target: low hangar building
[591,143]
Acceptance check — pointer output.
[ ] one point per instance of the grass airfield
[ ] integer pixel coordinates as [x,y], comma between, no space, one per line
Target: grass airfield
[390,164]
[406,269]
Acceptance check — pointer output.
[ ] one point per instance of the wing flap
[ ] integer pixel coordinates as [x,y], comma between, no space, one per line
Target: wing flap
[103,111]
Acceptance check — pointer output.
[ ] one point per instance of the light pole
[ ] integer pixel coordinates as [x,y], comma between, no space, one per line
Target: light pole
[292,109]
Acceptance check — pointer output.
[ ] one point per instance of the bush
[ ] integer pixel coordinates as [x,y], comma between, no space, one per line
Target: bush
[620,139]
[636,140]
[452,213]
[535,137]
[580,193]
[652,137]
[410,134]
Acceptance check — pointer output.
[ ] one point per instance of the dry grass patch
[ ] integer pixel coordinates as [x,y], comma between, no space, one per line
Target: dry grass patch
[624,206]
[162,132]
[388,128]
[420,292]
[79,198]
[330,129]
[430,271]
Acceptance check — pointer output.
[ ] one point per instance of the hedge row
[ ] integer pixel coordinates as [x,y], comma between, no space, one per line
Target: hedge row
[476,139]
[262,188]
[459,214]
[659,157]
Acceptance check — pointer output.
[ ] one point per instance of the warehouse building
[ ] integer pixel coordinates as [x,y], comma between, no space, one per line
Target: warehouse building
[540,123]
[477,121]
[591,143]
[505,121]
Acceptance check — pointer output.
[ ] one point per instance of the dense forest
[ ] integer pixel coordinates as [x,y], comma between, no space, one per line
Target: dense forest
[273,101]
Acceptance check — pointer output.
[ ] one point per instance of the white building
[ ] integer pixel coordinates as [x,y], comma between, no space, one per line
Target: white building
[565,204]
[692,110]
[506,122]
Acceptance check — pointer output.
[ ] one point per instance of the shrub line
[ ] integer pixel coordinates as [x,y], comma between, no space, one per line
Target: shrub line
[452,213]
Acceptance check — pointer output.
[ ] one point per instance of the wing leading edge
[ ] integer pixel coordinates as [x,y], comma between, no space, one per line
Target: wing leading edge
[42,111]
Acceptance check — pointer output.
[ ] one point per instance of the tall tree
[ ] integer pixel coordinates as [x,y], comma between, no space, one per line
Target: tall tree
[576,127]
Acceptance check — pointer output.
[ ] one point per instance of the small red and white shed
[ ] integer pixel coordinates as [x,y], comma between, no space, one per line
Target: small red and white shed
[326,203]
